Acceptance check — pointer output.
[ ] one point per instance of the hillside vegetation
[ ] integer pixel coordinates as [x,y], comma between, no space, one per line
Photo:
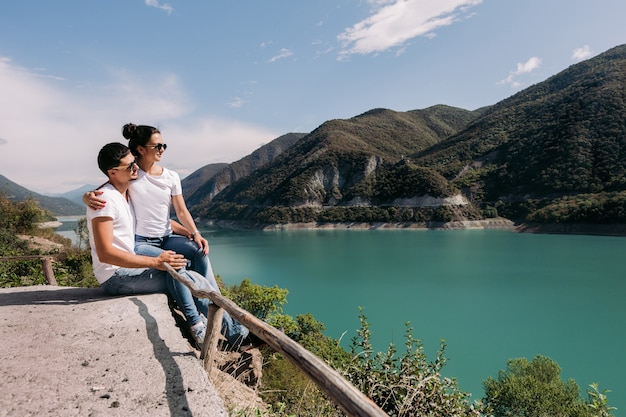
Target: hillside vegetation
[560,143]
[58,206]
[203,193]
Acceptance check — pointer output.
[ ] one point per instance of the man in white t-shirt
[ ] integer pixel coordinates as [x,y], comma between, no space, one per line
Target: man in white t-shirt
[111,233]
[118,269]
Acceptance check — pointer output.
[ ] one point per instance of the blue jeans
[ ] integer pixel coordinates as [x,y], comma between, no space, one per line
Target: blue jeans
[197,261]
[190,305]
[130,281]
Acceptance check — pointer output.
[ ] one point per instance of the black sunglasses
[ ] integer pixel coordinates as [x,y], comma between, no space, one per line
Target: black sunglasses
[130,167]
[158,146]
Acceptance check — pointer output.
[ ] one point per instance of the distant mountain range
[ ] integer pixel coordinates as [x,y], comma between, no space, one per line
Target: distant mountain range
[60,205]
[554,153]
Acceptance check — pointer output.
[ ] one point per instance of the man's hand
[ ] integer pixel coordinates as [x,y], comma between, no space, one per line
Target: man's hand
[175,260]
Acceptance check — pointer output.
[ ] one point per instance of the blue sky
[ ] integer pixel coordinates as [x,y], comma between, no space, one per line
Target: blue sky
[221,78]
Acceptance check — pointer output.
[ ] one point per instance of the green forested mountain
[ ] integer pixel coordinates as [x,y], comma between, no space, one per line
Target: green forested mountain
[561,138]
[196,193]
[199,177]
[344,163]
[564,135]
[57,206]
[554,152]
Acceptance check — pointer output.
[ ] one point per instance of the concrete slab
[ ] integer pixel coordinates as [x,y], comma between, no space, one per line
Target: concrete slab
[78,352]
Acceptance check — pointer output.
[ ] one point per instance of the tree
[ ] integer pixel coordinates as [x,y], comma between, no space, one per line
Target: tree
[263,302]
[534,389]
[82,231]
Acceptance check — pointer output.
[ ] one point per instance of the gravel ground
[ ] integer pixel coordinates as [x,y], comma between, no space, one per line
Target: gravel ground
[77,352]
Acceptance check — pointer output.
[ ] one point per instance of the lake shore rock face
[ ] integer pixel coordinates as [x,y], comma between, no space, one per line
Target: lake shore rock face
[496,223]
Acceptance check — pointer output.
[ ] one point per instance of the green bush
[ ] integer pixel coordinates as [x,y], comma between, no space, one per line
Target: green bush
[535,389]
[71,266]
[405,384]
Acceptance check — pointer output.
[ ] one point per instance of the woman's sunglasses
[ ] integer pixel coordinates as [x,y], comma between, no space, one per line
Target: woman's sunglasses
[159,146]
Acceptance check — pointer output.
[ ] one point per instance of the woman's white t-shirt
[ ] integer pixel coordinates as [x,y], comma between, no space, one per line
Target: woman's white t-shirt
[121,212]
[152,198]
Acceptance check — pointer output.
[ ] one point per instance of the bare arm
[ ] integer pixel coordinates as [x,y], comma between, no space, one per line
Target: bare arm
[90,198]
[102,228]
[185,218]
[179,229]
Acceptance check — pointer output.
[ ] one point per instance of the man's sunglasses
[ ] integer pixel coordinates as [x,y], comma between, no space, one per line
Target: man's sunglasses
[130,167]
[158,146]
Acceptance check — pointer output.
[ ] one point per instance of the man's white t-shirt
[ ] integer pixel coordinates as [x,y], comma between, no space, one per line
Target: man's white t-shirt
[121,212]
[152,195]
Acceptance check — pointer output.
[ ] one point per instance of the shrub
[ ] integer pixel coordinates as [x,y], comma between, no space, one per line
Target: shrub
[405,384]
[535,389]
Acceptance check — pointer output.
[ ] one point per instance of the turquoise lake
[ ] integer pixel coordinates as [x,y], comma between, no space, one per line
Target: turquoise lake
[492,295]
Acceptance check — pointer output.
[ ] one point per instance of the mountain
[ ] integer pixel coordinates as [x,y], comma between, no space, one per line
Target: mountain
[554,152]
[333,165]
[77,194]
[565,135]
[197,178]
[203,194]
[58,206]
[558,146]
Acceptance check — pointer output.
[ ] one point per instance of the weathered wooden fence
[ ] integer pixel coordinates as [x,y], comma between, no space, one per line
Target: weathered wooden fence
[352,401]
[46,265]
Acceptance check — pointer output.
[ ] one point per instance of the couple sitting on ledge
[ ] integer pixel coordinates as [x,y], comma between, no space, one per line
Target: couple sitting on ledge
[131,235]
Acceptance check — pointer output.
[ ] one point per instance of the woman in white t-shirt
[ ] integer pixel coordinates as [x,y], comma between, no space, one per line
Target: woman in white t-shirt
[151,195]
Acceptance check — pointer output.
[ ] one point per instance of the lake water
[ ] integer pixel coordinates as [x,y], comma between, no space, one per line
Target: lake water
[492,295]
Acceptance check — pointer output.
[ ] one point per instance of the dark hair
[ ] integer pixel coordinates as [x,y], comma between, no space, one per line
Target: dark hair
[138,135]
[111,155]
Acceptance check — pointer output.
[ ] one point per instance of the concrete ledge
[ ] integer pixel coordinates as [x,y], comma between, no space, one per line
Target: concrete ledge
[78,352]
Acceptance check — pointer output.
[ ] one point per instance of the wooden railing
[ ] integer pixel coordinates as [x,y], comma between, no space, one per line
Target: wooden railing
[46,265]
[352,401]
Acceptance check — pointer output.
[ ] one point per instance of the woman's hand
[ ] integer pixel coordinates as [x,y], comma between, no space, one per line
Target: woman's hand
[201,242]
[91,200]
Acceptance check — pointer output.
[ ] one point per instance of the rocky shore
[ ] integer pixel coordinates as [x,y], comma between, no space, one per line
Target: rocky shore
[496,223]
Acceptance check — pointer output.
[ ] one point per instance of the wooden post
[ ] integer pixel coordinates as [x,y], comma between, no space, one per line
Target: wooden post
[48,273]
[213,336]
[46,265]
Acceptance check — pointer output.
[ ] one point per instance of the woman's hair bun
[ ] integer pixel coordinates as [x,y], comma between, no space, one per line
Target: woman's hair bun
[129,130]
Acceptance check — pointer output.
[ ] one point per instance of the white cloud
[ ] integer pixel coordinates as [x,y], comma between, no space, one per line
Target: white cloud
[580,54]
[237,102]
[529,66]
[155,3]
[51,132]
[522,68]
[284,53]
[394,22]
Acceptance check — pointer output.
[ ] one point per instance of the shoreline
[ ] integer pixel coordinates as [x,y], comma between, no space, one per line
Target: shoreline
[497,223]
[500,223]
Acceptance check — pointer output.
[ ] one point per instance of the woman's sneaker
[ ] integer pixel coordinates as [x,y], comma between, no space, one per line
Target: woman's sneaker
[198,332]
